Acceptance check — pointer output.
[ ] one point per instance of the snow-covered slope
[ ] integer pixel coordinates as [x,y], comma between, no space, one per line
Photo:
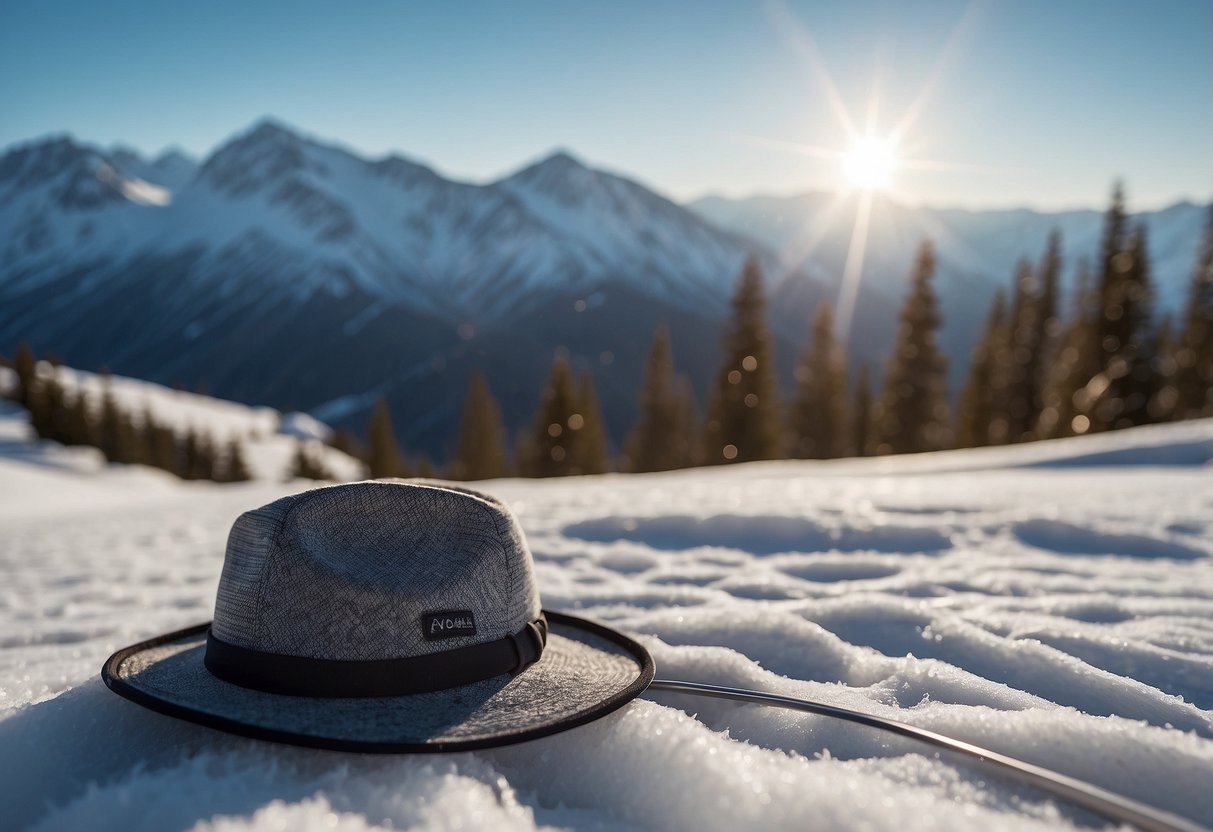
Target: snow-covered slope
[269,438]
[1052,602]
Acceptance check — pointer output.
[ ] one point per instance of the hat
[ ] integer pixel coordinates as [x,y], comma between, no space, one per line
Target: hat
[383,616]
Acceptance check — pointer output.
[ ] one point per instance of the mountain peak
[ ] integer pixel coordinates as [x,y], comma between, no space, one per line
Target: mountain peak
[266,152]
[562,158]
[269,128]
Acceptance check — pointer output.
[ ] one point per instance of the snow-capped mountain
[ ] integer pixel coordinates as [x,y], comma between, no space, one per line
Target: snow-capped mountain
[290,272]
[286,271]
[335,222]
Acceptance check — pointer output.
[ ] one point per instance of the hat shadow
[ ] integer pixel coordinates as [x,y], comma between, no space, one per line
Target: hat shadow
[62,750]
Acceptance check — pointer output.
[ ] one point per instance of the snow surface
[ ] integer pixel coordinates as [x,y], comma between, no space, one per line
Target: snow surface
[1053,602]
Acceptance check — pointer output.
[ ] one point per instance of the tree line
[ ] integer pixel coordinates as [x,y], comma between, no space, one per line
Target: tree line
[1106,361]
[76,418]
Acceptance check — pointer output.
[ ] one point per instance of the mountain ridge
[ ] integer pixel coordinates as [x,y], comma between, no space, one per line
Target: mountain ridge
[292,271]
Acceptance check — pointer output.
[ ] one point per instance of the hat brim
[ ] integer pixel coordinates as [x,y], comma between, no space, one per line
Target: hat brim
[586,671]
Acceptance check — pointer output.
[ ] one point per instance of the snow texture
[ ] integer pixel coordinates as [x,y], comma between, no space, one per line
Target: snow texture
[1052,602]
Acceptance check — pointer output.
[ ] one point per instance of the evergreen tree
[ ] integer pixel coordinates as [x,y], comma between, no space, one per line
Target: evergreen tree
[687,440]
[861,415]
[306,463]
[654,442]
[164,450]
[818,410]
[549,450]
[79,426]
[743,408]
[25,366]
[235,468]
[588,447]
[1126,384]
[1047,320]
[199,456]
[1163,348]
[1194,352]
[976,414]
[111,433]
[480,452]
[1073,364]
[383,457]
[913,408]
[1020,392]
[39,395]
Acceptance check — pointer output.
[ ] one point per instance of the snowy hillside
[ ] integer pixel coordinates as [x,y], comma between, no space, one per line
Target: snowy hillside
[1050,601]
[269,438]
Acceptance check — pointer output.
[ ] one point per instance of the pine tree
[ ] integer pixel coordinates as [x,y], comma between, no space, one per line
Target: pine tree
[39,395]
[549,451]
[976,414]
[818,410]
[1194,352]
[480,452]
[653,443]
[1047,320]
[306,463]
[687,441]
[861,415]
[1074,363]
[913,408]
[79,426]
[1020,388]
[743,408]
[109,432]
[199,456]
[1163,348]
[588,446]
[25,366]
[1126,384]
[235,468]
[383,457]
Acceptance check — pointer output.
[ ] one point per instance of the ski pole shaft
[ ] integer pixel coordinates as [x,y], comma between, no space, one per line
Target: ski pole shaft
[1107,804]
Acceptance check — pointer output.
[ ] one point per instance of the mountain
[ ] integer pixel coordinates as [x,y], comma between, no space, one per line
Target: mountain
[290,272]
[294,273]
[977,254]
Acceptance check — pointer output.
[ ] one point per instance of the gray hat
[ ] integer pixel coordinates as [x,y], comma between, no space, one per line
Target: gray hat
[386,616]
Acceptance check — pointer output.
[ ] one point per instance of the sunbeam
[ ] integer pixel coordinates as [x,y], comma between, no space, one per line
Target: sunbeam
[798,36]
[959,33]
[853,270]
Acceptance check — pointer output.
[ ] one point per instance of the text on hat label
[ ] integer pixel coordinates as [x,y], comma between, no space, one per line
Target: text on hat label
[448,624]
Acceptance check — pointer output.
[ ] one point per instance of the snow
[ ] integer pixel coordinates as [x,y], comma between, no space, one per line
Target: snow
[269,438]
[1053,602]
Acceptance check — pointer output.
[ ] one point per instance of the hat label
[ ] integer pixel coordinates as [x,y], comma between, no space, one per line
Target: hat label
[449,624]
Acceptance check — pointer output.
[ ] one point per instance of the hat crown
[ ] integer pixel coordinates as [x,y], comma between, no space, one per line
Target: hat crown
[375,570]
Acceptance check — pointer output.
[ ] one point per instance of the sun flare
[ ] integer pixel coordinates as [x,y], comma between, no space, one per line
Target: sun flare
[869,164]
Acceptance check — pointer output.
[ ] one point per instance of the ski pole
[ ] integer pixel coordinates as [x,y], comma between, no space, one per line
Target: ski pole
[1107,804]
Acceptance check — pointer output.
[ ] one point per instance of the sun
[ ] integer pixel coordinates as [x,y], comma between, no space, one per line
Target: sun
[869,164]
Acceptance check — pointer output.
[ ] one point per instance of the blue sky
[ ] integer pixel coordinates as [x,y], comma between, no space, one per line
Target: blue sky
[1033,103]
